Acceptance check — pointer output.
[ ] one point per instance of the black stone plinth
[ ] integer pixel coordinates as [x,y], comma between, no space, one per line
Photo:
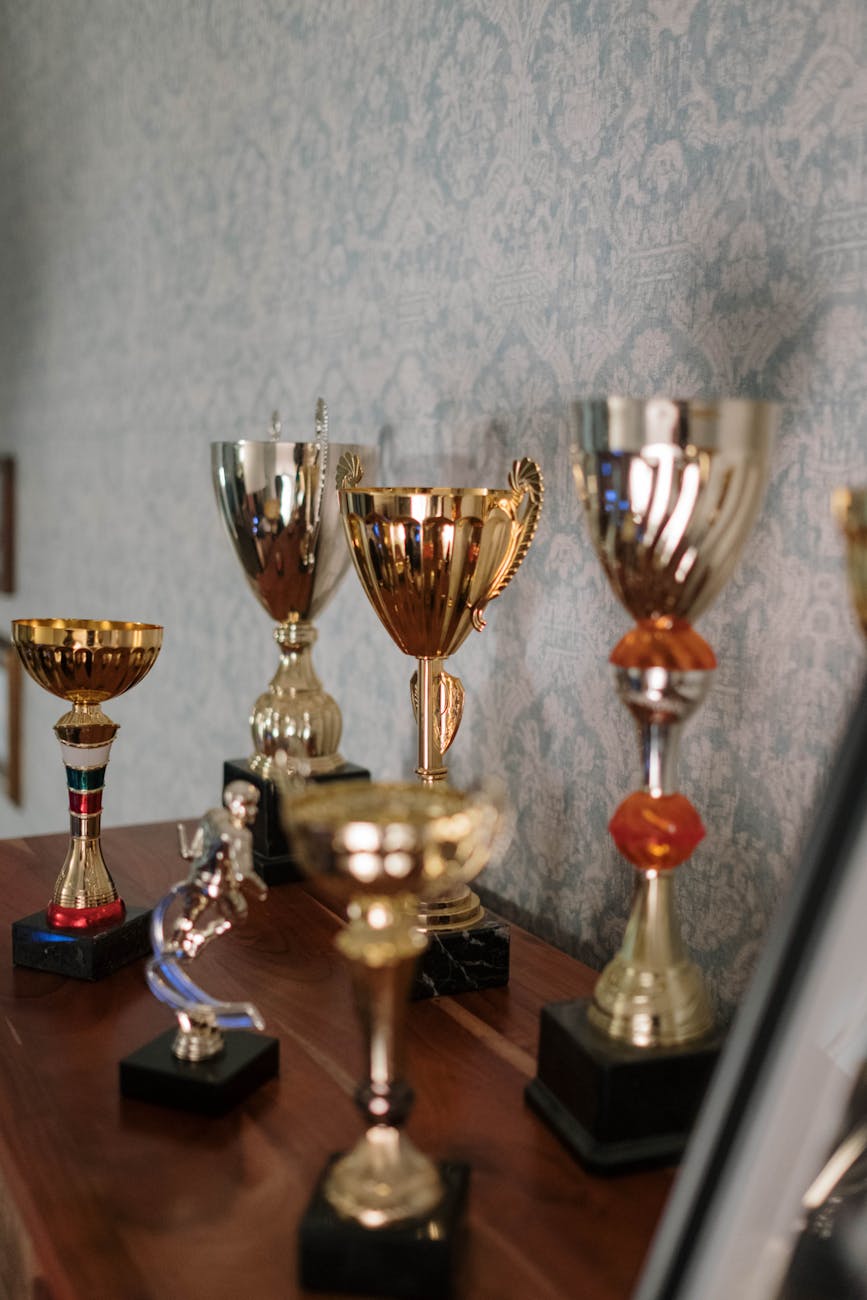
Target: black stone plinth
[271,854]
[411,1261]
[211,1087]
[464,961]
[615,1106]
[85,955]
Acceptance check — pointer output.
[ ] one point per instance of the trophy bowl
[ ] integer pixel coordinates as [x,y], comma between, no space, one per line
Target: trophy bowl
[283,521]
[85,662]
[380,848]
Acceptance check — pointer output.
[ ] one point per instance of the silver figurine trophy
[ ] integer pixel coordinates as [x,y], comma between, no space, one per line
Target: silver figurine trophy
[208,903]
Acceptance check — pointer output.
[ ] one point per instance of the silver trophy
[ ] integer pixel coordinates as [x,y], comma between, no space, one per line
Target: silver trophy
[199,1065]
[280,508]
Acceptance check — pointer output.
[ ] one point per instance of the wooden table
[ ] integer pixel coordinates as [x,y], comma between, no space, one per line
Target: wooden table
[108,1199]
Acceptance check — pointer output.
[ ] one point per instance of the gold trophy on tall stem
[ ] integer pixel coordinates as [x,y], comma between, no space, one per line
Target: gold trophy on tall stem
[670,491]
[86,931]
[431,559]
[279,509]
[384,1217]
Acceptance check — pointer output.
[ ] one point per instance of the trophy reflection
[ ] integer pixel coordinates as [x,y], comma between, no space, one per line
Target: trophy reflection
[280,512]
[86,930]
[850,509]
[209,1062]
[385,1215]
[430,561]
[671,490]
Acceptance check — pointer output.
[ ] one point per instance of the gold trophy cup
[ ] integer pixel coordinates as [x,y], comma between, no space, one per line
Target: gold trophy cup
[430,561]
[380,849]
[85,663]
[282,519]
[671,490]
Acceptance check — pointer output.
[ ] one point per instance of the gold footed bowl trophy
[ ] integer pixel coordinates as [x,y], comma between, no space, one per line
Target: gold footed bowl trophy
[671,490]
[280,511]
[86,930]
[210,1061]
[430,561]
[384,1219]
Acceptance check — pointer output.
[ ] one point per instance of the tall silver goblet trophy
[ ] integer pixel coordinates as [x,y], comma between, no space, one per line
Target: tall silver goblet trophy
[279,506]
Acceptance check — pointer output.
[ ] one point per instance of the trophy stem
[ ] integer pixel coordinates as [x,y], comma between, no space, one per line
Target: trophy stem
[430,756]
[295,713]
[84,894]
[384,1179]
[651,994]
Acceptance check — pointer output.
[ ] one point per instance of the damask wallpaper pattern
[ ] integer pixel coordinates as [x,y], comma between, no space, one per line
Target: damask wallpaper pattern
[450,219]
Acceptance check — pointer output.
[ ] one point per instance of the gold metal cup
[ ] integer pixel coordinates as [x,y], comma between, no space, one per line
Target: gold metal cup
[282,519]
[430,561]
[380,849]
[86,663]
[671,490]
[850,510]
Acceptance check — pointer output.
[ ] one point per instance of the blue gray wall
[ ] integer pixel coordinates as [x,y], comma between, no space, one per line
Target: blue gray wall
[449,219]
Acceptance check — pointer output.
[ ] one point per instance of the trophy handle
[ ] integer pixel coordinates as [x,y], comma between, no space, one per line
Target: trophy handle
[350,471]
[525,480]
[449,706]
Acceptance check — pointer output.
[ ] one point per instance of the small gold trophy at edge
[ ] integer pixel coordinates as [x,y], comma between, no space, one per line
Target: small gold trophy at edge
[671,490]
[430,561]
[850,510]
[379,849]
[86,663]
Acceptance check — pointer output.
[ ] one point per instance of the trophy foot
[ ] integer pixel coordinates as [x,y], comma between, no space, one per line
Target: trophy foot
[412,1260]
[615,1106]
[383,1180]
[211,1087]
[85,918]
[86,954]
[456,912]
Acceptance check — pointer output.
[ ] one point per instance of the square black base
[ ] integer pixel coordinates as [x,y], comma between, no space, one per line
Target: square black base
[464,961]
[411,1261]
[615,1106]
[85,956]
[212,1087]
[271,855]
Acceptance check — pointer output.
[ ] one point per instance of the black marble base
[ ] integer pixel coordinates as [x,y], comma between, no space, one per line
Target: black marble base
[85,956]
[412,1261]
[271,855]
[211,1087]
[615,1106]
[464,961]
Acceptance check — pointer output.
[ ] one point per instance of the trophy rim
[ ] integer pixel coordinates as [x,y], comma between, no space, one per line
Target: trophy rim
[50,631]
[425,491]
[327,808]
[276,443]
[630,424]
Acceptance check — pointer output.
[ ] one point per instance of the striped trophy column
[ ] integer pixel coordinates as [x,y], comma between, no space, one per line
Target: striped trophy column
[85,895]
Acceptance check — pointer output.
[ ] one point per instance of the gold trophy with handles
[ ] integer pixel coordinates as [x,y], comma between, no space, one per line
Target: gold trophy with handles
[431,560]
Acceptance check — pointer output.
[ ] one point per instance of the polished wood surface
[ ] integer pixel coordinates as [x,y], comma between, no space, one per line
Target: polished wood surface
[112,1199]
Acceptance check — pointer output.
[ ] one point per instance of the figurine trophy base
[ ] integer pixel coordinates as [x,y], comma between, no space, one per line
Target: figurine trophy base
[615,1106]
[409,1261]
[272,856]
[210,1087]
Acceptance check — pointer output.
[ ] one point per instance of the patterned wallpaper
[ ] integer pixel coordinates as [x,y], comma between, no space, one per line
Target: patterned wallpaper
[450,219]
